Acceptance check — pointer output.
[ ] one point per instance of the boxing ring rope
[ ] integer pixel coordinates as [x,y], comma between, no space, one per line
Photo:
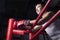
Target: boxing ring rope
[41,13]
[39,17]
[13,24]
[47,24]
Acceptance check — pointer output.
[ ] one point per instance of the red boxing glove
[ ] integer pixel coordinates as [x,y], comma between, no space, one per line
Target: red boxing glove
[22,24]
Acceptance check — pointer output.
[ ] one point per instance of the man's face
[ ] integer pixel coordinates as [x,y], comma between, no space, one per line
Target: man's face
[38,8]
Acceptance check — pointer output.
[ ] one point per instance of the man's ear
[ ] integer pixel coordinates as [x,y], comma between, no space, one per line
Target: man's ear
[38,8]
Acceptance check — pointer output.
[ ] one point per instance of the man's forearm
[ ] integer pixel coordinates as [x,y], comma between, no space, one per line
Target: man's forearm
[46,15]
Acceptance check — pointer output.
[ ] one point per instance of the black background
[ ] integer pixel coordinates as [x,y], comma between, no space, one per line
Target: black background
[17,9]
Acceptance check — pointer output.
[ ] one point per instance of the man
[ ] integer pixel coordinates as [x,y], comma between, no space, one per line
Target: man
[54,29]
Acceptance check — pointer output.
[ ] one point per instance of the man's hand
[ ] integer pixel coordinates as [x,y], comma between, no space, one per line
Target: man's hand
[36,28]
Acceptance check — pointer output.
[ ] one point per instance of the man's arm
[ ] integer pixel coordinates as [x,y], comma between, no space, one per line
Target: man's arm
[46,15]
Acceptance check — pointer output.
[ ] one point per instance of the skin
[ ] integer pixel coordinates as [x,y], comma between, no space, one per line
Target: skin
[45,16]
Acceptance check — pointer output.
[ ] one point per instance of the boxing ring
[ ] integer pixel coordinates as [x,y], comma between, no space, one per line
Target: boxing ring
[32,36]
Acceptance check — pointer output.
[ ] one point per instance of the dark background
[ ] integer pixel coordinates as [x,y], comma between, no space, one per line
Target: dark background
[17,9]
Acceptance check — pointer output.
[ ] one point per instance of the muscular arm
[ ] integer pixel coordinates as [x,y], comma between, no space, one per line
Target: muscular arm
[45,16]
